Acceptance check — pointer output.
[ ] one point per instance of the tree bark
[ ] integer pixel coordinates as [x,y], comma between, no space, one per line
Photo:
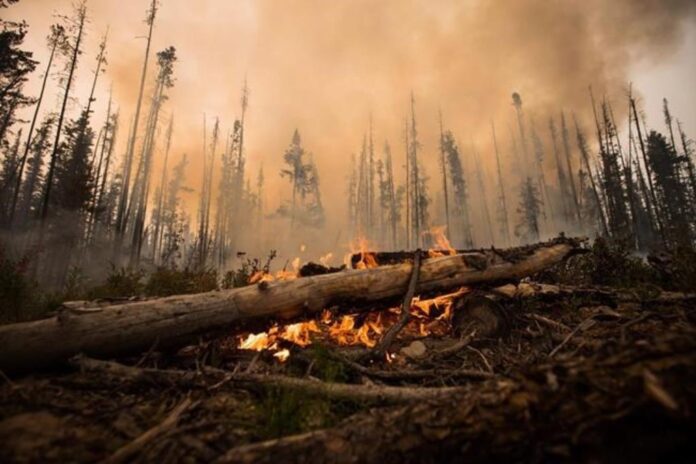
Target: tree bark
[174,321]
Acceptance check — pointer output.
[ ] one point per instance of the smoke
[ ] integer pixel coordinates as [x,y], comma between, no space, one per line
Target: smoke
[326,67]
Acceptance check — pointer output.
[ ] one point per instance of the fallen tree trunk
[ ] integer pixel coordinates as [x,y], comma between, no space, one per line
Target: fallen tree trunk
[174,321]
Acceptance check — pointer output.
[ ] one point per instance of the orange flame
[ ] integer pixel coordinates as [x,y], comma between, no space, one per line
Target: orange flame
[428,317]
[444,247]
[282,355]
[300,333]
[367,258]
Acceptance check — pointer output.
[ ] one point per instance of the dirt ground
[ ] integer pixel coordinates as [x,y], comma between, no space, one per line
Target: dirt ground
[591,376]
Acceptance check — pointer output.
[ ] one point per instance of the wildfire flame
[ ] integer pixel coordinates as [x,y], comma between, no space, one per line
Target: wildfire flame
[367,258]
[282,355]
[430,316]
[326,259]
[444,247]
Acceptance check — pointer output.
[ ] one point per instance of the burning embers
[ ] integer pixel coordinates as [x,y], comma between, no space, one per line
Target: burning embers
[428,317]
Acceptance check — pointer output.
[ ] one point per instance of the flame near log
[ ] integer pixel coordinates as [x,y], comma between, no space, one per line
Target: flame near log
[175,321]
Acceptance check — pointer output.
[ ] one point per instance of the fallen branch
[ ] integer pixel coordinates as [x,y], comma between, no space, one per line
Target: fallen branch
[125,453]
[394,330]
[496,421]
[124,329]
[338,391]
[411,374]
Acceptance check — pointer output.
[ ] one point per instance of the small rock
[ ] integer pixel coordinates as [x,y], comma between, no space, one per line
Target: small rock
[415,350]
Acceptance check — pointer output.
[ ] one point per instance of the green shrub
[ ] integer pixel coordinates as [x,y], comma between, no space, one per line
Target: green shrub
[166,281]
[120,283]
[21,299]
[610,263]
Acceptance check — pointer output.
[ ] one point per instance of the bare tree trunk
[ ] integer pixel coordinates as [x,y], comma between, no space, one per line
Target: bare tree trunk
[503,201]
[121,217]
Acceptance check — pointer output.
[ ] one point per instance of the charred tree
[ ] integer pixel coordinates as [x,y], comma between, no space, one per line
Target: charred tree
[124,199]
[461,232]
[73,48]
[503,216]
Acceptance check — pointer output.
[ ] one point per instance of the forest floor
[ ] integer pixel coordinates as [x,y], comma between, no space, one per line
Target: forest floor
[598,375]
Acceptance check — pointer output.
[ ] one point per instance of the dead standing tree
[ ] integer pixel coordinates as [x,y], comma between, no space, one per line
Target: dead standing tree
[530,205]
[55,39]
[73,48]
[503,216]
[141,188]
[121,216]
[461,234]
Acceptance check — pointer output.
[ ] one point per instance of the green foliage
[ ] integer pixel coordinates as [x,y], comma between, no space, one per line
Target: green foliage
[166,281]
[75,284]
[120,283]
[285,413]
[677,270]
[74,182]
[16,289]
[288,412]
[609,263]
[20,297]
[325,367]
[248,267]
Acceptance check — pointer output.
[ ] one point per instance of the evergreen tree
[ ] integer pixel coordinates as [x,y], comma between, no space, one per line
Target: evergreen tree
[30,194]
[306,207]
[15,67]
[461,233]
[671,194]
[71,48]
[530,211]
[8,171]
[73,176]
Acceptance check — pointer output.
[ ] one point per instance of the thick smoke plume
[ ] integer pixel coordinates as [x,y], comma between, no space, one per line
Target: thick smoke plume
[325,67]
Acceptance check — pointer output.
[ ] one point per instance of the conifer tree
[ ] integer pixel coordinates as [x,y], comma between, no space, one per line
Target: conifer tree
[460,195]
[30,194]
[72,47]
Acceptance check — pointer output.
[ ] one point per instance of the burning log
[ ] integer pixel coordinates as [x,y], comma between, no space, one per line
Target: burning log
[124,329]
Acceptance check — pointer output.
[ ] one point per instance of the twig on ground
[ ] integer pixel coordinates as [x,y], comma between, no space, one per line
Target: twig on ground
[187,379]
[456,347]
[411,374]
[394,330]
[549,322]
[586,323]
[125,453]
[483,358]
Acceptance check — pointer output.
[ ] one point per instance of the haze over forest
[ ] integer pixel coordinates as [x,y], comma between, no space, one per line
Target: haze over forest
[329,68]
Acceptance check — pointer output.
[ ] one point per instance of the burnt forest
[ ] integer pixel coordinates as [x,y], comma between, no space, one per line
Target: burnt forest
[361,231]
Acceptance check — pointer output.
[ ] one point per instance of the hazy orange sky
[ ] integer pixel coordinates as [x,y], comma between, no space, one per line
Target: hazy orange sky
[324,66]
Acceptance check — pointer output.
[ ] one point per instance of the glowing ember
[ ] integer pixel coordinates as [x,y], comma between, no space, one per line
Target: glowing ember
[300,333]
[256,342]
[261,276]
[428,317]
[282,355]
